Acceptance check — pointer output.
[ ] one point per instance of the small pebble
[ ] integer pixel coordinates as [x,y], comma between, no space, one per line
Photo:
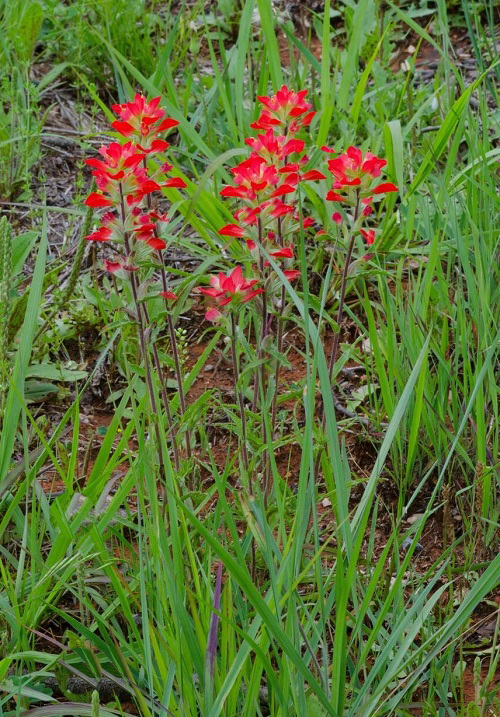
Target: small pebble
[406,544]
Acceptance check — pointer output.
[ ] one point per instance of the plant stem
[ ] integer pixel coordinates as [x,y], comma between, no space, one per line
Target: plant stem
[279,347]
[139,312]
[239,394]
[170,423]
[279,344]
[142,337]
[262,366]
[336,339]
[175,354]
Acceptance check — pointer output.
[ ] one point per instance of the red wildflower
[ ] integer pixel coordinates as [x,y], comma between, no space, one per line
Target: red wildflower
[117,160]
[286,108]
[274,148]
[252,176]
[142,121]
[145,230]
[352,169]
[231,288]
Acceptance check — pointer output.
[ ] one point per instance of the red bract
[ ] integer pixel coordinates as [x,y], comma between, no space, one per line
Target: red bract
[133,185]
[115,267]
[384,188]
[97,200]
[231,288]
[287,109]
[117,160]
[368,235]
[101,234]
[144,229]
[232,230]
[352,169]
[285,252]
[112,266]
[174,183]
[168,295]
[277,208]
[252,177]
[142,121]
[248,215]
[293,176]
[274,148]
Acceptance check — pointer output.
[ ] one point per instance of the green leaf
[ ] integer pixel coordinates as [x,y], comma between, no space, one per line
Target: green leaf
[36,391]
[21,247]
[55,373]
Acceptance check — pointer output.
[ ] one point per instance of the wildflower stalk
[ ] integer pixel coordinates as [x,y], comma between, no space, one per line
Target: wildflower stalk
[139,314]
[347,264]
[336,338]
[261,372]
[262,367]
[279,345]
[175,354]
[159,370]
[164,395]
[239,394]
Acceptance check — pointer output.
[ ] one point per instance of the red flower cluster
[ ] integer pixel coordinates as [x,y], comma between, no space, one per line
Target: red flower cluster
[142,122]
[353,176]
[266,182]
[286,109]
[231,288]
[124,180]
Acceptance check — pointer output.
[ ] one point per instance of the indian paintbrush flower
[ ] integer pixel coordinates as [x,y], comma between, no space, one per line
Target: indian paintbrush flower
[231,288]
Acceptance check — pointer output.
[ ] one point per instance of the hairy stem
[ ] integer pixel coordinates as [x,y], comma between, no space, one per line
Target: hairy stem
[239,394]
[163,388]
[279,346]
[142,337]
[340,312]
[178,374]
[139,311]
[336,339]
